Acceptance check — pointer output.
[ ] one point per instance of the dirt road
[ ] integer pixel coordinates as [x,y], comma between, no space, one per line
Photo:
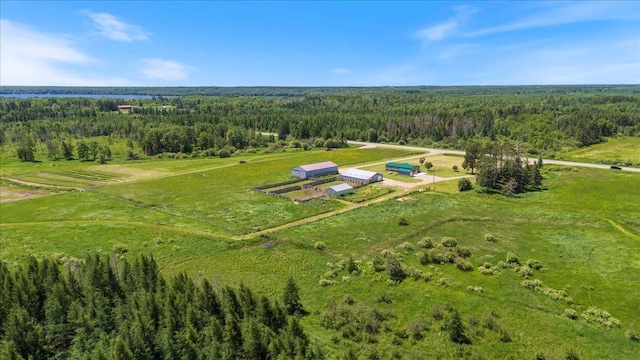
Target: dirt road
[433,151]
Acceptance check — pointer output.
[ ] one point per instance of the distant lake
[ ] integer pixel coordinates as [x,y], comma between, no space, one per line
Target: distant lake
[92,96]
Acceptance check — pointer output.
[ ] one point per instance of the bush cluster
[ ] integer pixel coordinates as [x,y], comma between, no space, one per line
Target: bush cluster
[355,323]
[553,294]
[488,269]
[593,314]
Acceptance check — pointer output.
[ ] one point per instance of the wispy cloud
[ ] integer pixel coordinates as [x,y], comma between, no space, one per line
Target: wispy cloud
[567,13]
[32,57]
[113,28]
[445,29]
[340,71]
[153,68]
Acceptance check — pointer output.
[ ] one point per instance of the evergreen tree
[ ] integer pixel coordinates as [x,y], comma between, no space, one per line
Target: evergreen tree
[291,298]
[457,330]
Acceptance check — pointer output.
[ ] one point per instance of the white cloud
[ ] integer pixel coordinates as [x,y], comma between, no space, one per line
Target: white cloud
[567,13]
[162,69]
[112,28]
[340,71]
[445,29]
[31,57]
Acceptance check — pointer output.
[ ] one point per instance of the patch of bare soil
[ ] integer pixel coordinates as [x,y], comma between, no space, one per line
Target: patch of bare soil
[9,194]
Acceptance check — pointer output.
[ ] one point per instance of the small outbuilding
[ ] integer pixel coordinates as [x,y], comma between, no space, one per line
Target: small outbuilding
[340,189]
[317,169]
[125,109]
[403,168]
[358,176]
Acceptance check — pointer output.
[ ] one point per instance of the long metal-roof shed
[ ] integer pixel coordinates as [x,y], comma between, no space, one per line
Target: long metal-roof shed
[316,169]
[360,176]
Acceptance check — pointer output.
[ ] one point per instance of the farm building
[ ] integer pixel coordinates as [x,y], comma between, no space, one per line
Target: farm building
[403,168]
[125,109]
[360,176]
[317,169]
[341,189]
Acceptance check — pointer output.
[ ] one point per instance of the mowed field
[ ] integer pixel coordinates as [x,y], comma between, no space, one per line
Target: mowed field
[621,151]
[584,229]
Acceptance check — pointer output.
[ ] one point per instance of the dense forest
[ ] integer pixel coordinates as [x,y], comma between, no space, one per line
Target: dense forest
[541,121]
[109,308]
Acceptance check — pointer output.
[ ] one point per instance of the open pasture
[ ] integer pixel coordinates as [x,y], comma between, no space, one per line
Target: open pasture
[583,229]
[622,151]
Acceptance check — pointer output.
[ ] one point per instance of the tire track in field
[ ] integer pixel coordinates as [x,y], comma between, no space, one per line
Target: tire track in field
[622,229]
[139,224]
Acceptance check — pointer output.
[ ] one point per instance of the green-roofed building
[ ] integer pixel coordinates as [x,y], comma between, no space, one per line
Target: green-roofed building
[403,168]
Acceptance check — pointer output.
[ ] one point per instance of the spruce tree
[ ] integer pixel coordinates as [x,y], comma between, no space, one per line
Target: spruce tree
[291,298]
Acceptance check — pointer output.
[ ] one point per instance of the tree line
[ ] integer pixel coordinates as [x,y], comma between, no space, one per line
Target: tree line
[544,120]
[101,308]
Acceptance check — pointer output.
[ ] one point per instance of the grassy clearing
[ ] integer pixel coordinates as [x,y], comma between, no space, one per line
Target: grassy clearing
[366,193]
[622,151]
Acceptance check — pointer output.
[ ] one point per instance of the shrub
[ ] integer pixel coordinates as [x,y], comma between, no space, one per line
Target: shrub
[426,243]
[119,249]
[524,271]
[504,336]
[384,298]
[512,258]
[319,245]
[464,184]
[532,284]
[405,246]
[394,268]
[436,257]
[417,327]
[463,264]
[449,242]
[534,264]
[632,335]
[449,258]
[490,238]
[488,269]
[224,153]
[570,313]
[346,279]
[455,168]
[438,312]
[325,282]
[378,263]
[445,282]
[571,355]
[403,222]
[414,273]
[464,252]
[330,274]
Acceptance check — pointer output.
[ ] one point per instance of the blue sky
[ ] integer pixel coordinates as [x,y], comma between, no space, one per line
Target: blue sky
[325,43]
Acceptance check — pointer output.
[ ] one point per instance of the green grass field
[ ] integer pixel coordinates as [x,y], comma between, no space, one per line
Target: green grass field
[584,229]
[621,151]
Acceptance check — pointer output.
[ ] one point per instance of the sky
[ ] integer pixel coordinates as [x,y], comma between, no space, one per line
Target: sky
[323,43]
